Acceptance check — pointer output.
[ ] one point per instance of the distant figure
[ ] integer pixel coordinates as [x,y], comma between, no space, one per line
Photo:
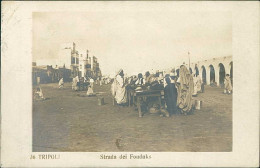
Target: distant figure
[140,81]
[160,78]
[170,93]
[157,73]
[199,84]
[101,81]
[195,82]
[61,83]
[108,80]
[90,91]
[228,85]
[78,80]
[134,79]
[148,77]
[164,80]
[74,84]
[91,80]
[213,83]
[202,87]
[39,93]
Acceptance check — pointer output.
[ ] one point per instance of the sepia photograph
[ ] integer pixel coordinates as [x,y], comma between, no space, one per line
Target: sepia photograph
[132,81]
[129,84]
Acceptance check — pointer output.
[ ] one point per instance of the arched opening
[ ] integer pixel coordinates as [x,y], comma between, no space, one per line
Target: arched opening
[222,74]
[177,71]
[204,77]
[190,71]
[197,71]
[231,72]
[212,74]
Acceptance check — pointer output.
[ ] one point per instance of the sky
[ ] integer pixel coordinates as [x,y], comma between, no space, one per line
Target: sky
[134,41]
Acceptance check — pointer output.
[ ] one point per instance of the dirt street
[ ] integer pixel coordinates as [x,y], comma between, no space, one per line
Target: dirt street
[67,122]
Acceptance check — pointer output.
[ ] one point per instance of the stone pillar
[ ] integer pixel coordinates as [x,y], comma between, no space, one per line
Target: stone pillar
[200,73]
[216,68]
[208,75]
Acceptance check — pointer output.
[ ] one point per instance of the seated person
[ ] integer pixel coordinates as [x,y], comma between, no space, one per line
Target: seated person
[140,80]
[147,77]
[150,78]
[39,94]
[134,79]
[160,78]
[90,91]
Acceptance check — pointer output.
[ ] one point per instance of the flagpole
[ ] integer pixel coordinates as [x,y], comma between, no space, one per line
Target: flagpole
[189,58]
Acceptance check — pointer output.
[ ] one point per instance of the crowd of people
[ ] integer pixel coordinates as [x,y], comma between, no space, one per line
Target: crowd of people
[178,90]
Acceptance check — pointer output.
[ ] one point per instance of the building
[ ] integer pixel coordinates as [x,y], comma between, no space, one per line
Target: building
[96,72]
[44,62]
[212,70]
[47,74]
[69,58]
[74,61]
[78,61]
[83,62]
[88,66]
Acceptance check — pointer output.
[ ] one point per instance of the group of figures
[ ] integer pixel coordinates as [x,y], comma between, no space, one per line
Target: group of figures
[83,83]
[80,84]
[178,90]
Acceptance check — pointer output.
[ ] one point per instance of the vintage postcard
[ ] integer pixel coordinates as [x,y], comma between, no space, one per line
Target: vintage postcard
[120,84]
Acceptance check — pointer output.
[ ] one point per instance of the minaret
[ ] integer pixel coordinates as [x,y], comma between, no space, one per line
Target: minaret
[92,62]
[74,47]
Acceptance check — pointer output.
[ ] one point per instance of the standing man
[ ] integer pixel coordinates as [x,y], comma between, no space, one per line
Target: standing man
[74,83]
[61,83]
[195,84]
[91,81]
[228,85]
[120,90]
[185,89]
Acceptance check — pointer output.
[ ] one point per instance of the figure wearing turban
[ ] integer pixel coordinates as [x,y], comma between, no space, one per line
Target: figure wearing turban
[118,88]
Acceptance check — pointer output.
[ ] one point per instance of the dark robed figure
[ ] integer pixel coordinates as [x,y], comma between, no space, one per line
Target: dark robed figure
[170,93]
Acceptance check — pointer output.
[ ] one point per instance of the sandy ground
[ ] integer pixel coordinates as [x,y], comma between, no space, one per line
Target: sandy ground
[68,122]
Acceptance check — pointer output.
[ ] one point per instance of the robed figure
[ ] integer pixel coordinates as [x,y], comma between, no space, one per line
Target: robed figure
[170,93]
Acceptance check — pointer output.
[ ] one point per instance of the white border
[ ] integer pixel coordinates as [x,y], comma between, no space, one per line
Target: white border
[16,86]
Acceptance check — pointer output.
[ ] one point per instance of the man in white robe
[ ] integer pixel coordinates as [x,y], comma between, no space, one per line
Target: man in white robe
[74,83]
[119,88]
[228,85]
[39,94]
[199,83]
[91,81]
[195,82]
[61,83]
